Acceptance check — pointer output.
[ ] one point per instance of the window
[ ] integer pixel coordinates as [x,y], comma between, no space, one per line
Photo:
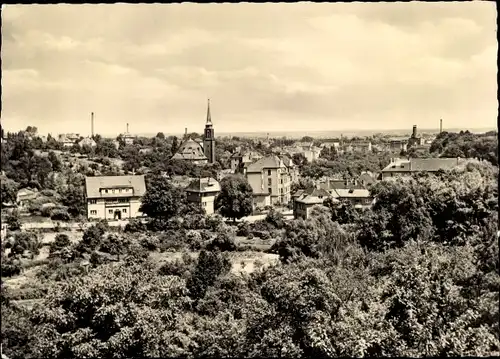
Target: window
[92,201]
[269,190]
[269,181]
[122,200]
[110,211]
[268,172]
[124,210]
[105,191]
[93,212]
[204,204]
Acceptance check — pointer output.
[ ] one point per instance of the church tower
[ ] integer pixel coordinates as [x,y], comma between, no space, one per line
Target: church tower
[209,138]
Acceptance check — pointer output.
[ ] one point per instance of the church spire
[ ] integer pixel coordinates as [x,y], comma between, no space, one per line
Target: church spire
[209,116]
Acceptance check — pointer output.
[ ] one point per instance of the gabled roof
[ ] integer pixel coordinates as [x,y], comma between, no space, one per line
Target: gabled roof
[287,161]
[190,150]
[265,163]
[203,185]
[94,184]
[351,193]
[313,196]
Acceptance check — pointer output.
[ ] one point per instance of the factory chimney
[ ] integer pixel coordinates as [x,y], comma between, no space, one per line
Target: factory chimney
[127,128]
[92,124]
[185,133]
[440,125]
[414,134]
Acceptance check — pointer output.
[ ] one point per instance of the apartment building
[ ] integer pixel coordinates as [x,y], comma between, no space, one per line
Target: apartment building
[114,197]
[305,200]
[270,175]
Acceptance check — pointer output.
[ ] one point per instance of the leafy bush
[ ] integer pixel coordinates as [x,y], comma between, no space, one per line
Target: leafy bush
[150,243]
[11,267]
[194,240]
[61,241]
[172,240]
[60,215]
[250,236]
[243,229]
[135,226]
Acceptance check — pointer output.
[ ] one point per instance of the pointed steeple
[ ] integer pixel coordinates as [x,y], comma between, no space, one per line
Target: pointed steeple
[209,116]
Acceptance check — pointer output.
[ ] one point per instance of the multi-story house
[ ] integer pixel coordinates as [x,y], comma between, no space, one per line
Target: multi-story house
[305,200]
[202,191]
[405,167]
[270,175]
[359,197]
[114,197]
[293,169]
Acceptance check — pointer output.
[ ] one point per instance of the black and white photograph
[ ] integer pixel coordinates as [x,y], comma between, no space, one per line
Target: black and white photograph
[249,180]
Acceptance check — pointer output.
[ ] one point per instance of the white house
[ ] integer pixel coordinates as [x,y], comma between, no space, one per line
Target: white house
[114,197]
[202,191]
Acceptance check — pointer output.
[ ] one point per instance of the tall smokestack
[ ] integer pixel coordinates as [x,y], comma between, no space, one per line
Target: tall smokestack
[414,134]
[127,127]
[440,125]
[185,132]
[92,124]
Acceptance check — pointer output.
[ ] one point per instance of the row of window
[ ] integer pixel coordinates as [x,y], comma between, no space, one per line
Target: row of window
[111,211]
[117,200]
[117,190]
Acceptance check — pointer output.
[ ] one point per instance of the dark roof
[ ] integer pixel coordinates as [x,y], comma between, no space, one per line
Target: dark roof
[264,163]
[202,185]
[94,184]
[190,150]
[313,195]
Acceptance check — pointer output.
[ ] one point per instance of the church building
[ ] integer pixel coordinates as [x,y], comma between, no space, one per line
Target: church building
[196,152]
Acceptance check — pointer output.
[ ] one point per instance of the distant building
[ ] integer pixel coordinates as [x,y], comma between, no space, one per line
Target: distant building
[359,197]
[367,179]
[359,146]
[191,151]
[145,151]
[398,144]
[202,191]
[311,152]
[87,141]
[209,138]
[114,197]
[414,140]
[399,167]
[270,175]
[239,159]
[305,200]
[261,200]
[69,139]
[24,196]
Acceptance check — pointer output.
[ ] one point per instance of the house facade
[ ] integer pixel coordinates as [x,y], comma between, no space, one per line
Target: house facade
[202,192]
[270,175]
[398,144]
[359,197]
[114,197]
[305,200]
[69,139]
[87,142]
[239,159]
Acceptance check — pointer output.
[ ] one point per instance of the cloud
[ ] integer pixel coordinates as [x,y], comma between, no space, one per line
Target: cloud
[265,66]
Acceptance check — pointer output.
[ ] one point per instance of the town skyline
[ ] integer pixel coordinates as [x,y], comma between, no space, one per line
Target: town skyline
[301,73]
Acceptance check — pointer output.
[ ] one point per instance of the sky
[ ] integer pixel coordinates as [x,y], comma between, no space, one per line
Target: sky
[265,67]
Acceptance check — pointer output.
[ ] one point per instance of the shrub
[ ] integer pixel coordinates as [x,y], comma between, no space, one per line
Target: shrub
[10,267]
[194,240]
[250,236]
[135,225]
[243,229]
[150,243]
[61,241]
[60,215]
[171,240]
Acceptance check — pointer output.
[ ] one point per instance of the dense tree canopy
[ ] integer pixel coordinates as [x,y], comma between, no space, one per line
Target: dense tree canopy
[235,198]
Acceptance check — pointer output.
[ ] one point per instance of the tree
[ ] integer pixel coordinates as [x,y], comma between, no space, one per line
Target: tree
[307,139]
[235,198]
[160,135]
[61,241]
[162,200]
[9,190]
[74,198]
[175,145]
[299,159]
[55,161]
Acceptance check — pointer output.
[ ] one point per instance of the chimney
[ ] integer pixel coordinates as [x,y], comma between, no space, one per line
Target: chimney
[127,128]
[414,134]
[185,132]
[440,125]
[92,124]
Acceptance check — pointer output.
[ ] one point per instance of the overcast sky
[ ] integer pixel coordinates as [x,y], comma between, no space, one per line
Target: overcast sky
[265,67]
